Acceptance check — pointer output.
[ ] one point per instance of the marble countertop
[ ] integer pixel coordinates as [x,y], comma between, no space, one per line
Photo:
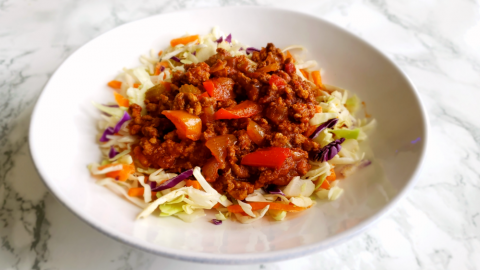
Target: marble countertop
[436,42]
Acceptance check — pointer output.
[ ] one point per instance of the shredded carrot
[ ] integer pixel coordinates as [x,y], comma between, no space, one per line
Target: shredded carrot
[305,73]
[204,94]
[192,183]
[115,84]
[289,55]
[136,85]
[218,205]
[260,205]
[120,175]
[332,176]
[317,79]
[122,102]
[318,109]
[160,52]
[138,191]
[325,184]
[135,192]
[159,65]
[183,40]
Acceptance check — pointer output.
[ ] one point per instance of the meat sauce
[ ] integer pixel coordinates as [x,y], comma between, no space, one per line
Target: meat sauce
[284,104]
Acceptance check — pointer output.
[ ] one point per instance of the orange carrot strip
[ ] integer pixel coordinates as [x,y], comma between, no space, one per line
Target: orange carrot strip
[325,184]
[135,192]
[120,175]
[318,109]
[136,85]
[160,52]
[192,183]
[122,102]
[115,84]
[317,79]
[260,205]
[218,205]
[138,191]
[305,73]
[332,176]
[183,40]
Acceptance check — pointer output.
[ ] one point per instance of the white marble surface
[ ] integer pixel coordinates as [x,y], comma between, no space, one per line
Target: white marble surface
[436,42]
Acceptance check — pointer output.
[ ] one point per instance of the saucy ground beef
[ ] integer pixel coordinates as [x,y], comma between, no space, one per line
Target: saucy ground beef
[283,102]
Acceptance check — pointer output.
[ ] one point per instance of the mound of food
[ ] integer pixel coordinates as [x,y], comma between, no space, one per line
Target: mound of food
[245,130]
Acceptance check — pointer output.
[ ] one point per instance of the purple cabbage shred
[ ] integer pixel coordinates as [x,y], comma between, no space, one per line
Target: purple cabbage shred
[174,58]
[273,189]
[220,39]
[328,124]
[153,184]
[229,38]
[108,131]
[329,151]
[112,153]
[124,119]
[251,50]
[216,221]
[174,181]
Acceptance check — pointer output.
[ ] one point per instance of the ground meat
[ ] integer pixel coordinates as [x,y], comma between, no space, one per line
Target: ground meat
[188,102]
[284,119]
[195,74]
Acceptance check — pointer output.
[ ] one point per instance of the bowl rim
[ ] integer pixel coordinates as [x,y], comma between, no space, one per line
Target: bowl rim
[245,258]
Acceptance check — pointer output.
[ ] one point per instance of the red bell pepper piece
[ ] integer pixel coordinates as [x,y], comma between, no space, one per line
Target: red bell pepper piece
[271,157]
[188,125]
[219,88]
[245,109]
[277,80]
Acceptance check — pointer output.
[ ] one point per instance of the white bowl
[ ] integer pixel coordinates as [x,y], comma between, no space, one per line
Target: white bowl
[63,129]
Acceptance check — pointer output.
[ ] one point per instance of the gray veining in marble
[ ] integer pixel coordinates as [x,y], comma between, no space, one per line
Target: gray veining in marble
[436,42]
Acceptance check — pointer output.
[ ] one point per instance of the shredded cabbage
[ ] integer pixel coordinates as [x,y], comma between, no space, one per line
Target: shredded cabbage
[147,191]
[220,216]
[320,118]
[136,95]
[170,209]
[302,201]
[277,215]
[110,110]
[257,216]
[346,133]
[95,171]
[191,217]
[294,188]
[111,184]
[256,196]
[247,208]
[324,138]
